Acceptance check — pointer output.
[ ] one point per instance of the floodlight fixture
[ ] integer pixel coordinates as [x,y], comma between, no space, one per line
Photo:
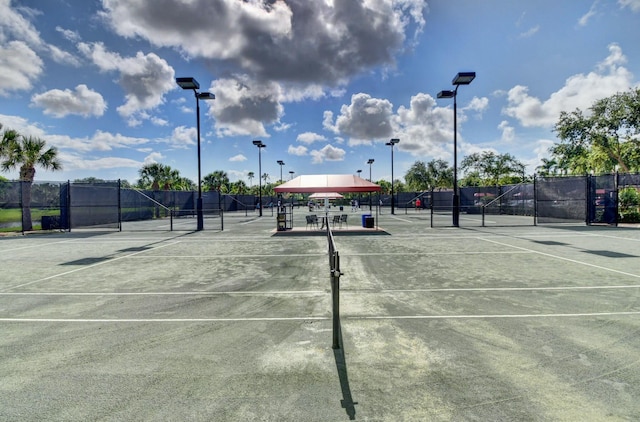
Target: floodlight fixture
[446,94]
[464,78]
[205,96]
[188,83]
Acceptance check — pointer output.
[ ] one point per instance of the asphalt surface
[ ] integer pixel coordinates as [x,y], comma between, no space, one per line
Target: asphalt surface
[503,323]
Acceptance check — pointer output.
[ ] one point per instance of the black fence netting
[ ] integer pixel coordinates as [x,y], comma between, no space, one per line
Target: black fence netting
[561,199]
[90,205]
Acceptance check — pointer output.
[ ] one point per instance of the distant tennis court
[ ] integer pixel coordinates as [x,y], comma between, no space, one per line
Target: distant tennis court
[502,322]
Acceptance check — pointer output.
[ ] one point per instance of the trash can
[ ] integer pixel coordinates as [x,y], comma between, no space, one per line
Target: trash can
[369,222]
[364,216]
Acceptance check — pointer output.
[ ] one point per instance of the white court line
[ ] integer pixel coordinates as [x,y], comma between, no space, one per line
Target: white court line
[617,237]
[229,293]
[322,318]
[250,221]
[401,219]
[585,314]
[35,246]
[434,253]
[496,289]
[233,256]
[563,258]
[86,267]
[314,318]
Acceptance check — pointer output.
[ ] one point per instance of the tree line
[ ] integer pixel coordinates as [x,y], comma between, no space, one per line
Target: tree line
[602,139]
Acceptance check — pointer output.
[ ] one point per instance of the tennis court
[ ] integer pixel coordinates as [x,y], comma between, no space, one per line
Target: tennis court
[476,323]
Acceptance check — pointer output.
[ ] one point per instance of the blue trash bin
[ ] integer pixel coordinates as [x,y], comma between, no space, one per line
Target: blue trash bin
[364,218]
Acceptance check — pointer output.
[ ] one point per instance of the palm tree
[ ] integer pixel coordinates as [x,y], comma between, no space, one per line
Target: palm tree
[25,153]
[217,181]
[251,175]
[156,176]
[239,187]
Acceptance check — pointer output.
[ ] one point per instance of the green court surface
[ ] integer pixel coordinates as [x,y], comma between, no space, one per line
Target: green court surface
[499,323]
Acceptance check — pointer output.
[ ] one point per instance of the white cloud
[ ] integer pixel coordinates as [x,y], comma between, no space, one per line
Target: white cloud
[68,34]
[82,101]
[328,153]
[297,41]
[634,5]
[243,106]
[584,19]
[15,25]
[71,162]
[365,119]
[182,137]
[579,91]
[310,137]
[508,132]
[530,32]
[238,158]
[477,104]
[297,150]
[19,67]
[154,157]
[145,78]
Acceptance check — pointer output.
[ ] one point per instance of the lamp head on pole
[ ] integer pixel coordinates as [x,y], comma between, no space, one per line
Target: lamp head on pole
[446,94]
[280,162]
[259,143]
[393,142]
[464,78]
[371,160]
[188,83]
[205,96]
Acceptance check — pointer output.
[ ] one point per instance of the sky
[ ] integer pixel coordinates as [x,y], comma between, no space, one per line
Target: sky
[325,84]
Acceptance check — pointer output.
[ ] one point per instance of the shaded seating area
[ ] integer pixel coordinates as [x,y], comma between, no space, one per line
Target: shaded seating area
[340,219]
[327,186]
[312,220]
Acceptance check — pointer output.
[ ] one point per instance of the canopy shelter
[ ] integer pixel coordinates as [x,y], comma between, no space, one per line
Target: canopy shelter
[325,195]
[327,183]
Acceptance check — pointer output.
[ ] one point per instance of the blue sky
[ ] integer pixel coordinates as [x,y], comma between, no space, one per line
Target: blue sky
[324,83]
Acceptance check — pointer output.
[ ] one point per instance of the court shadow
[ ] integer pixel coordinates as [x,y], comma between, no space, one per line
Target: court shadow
[341,364]
[611,254]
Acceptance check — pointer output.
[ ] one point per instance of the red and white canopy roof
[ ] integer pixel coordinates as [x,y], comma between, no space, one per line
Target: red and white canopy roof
[327,183]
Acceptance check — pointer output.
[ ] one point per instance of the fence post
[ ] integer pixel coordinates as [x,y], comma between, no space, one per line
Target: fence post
[69,205]
[616,185]
[335,294]
[535,201]
[119,206]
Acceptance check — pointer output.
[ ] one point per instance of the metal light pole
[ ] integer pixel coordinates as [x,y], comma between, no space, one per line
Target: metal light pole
[462,78]
[191,83]
[281,164]
[371,160]
[260,145]
[391,143]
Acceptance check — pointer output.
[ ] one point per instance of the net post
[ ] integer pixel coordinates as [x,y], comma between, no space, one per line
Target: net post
[335,293]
